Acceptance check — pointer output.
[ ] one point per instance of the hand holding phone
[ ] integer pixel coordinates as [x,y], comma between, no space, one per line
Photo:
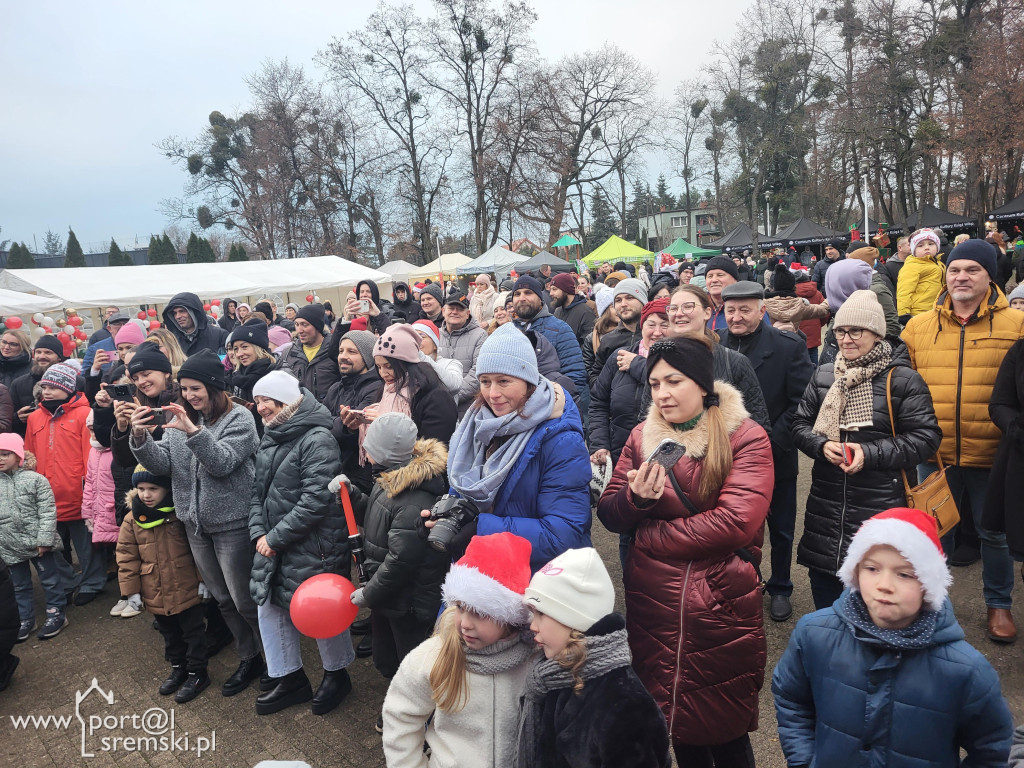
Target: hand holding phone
[847,453]
[667,454]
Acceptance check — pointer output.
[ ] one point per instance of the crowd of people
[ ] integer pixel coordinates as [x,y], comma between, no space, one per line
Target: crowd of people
[476,430]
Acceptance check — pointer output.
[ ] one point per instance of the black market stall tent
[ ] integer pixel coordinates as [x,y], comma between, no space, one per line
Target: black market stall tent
[740,238]
[542,258]
[1011,210]
[934,218]
[803,231]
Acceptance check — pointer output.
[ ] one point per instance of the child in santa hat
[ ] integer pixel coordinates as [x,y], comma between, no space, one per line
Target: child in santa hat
[885,672]
[584,684]
[463,684]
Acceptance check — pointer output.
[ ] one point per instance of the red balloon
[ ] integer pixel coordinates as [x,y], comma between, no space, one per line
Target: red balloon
[13,322]
[310,297]
[80,334]
[321,607]
[141,314]
[64,338]
[75,320]
[152,313]
[216,302]
[153,325]
[47,329]
[69,347]
[206,307]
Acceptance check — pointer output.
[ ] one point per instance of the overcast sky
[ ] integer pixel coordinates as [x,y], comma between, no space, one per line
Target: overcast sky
[88,89]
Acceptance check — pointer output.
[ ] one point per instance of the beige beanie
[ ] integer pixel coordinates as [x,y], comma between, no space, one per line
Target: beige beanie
[867,254]
[861,310]
[574,589]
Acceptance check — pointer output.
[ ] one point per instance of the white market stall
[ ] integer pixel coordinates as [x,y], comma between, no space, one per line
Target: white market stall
[18,303]
[450,262]
[399,270]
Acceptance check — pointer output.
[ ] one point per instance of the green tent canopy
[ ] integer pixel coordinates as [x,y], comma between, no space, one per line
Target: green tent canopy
[616,249]
[680,249]
[565,241]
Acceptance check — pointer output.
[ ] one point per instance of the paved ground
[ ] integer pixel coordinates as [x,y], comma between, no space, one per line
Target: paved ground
[125,656]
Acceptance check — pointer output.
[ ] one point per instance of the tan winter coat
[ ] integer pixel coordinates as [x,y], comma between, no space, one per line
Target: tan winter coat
[157,563]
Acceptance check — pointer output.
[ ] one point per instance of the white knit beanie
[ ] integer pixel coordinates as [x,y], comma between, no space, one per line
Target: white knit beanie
[277,385]
[574,589]
[603,297]
[861,310]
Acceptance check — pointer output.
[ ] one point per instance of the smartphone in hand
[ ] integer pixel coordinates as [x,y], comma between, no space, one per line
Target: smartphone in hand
[847,453]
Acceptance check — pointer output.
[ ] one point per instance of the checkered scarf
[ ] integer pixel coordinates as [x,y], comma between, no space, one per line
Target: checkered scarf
[848,404]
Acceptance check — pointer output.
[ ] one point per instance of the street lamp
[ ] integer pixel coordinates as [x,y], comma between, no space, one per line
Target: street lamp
[767,213]
[436,232]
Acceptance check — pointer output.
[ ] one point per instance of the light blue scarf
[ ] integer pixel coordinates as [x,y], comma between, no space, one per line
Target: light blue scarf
[471,473]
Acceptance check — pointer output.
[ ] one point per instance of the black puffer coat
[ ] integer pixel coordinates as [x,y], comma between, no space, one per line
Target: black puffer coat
[291,505]
[356,391]
[615,403]
[12,368]
[317,375]
[405,572]
[838,503]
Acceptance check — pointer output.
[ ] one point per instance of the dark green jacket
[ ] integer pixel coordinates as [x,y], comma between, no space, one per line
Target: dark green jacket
[405,571]
[291,505]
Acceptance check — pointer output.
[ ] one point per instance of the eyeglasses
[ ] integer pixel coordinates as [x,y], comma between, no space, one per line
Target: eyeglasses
[853,333]
[688,307]
[9,343]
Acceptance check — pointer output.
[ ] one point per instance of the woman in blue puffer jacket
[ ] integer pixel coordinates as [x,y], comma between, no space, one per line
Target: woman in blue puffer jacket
[519,452]
[884,676]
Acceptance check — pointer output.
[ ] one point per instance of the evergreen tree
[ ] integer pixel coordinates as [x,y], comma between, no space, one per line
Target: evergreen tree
[19,257]
[205,252]
[170,252]
[636,210]
[118,258]
[662,195]
[73,256]
[192,255]
[237,253]
[153,254]
[602,226]
[161,251]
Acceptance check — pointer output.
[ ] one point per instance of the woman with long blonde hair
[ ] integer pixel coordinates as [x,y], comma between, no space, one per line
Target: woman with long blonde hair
[169,345]
[693,482]
[463,684]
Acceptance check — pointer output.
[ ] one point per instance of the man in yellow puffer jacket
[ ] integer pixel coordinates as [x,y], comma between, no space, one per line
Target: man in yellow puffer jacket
[958,347]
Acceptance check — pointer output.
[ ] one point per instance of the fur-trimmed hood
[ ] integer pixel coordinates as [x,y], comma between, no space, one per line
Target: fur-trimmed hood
[30,461]
[695,440]
[429,461]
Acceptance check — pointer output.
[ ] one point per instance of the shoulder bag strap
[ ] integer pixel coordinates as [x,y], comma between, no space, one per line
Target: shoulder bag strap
[892,426]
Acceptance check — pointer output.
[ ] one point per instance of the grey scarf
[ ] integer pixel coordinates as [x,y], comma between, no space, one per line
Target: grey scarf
[501,656]
[474,474]
[605,653]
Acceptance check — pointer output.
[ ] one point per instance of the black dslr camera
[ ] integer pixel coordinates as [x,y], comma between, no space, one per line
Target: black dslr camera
[451,514]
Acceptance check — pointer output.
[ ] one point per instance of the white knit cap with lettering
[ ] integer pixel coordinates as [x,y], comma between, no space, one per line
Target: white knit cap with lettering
[574,589]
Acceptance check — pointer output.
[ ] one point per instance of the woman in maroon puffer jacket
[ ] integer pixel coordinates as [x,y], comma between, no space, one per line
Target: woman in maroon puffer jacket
[693,602]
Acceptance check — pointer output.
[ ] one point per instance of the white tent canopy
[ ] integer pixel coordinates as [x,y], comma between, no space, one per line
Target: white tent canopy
[494,259]
[17,303]
[157,283]
[450,262]
[398,269]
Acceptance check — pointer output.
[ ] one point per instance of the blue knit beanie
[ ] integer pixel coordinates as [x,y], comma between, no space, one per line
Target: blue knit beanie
[977,250]
[530,283]
[508,351]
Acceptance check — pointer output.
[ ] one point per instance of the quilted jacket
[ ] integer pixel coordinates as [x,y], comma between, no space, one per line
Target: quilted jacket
[61,444]
[693,606]
[845,698]
[98,496]
[959,364]
[291,505]
[838,503]
[28,515]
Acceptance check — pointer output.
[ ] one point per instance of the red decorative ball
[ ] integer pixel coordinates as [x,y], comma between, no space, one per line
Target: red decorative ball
[153,325]
[310,297]
[216,302]
[14,322]
[152,313]
[206,307]
[141,314]
[321,607]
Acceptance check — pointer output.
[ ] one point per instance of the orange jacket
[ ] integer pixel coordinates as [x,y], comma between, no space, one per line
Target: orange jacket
[61,445]
[959,363]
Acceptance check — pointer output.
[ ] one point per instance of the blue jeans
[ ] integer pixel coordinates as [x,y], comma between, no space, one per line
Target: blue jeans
[825,588]
[48,567]
[92,561]
[813,354]
[781,527]
[281,644]
[224,561]
[996,564]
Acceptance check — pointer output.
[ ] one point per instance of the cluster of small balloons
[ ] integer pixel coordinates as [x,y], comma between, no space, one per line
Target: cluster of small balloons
[68,331]
[312,298]
[142,319]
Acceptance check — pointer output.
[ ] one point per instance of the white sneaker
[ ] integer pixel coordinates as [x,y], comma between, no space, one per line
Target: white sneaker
[134,608]
[119,607]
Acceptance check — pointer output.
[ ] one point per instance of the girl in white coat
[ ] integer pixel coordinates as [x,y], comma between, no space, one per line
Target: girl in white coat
[463,684]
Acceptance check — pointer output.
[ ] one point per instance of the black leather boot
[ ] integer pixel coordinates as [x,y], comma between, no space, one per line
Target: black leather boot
[291,689]
[360,626]
[174,680]
[267,682]
[332,691]
[248,670]
[196,683]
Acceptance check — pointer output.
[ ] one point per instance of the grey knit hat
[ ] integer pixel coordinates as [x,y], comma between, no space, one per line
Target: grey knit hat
[390,440]
[508,351]
[364,341]
[631,287]
[433,290]
[861,310]
[1016,293]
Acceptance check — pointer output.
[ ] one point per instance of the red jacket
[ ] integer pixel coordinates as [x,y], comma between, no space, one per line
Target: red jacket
[61,445]
[693,606]
[811,328]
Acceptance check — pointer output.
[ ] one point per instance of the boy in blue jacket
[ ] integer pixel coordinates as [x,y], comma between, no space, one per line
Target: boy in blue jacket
[884,677]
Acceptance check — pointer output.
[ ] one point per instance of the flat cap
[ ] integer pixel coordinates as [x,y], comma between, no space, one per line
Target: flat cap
[744,289]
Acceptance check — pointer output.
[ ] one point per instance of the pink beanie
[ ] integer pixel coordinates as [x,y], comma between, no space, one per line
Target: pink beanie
[130,333]
[13,442]
[400,342]
[278,335]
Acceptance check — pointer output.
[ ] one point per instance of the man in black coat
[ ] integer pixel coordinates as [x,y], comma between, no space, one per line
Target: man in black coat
[783,368]
[309,358]
[359,386]
[187,320]
[629,298]
[571,308]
